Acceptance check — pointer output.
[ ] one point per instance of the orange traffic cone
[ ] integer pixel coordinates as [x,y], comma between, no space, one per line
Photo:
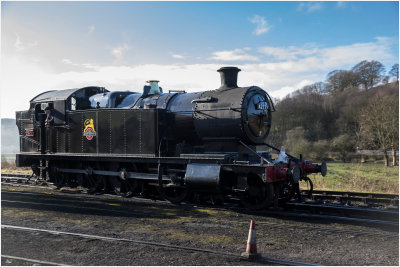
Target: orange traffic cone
[251,249]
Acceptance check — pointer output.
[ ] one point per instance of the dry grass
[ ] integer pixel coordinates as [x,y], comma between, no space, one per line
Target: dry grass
[8,166]
[360,178]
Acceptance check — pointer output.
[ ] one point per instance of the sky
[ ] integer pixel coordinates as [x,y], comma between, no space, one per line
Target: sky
[279,46]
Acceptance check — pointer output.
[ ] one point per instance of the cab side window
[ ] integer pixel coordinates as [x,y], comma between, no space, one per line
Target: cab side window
[73,103]
[39,109]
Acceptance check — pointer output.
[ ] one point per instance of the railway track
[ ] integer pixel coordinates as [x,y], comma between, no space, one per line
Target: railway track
[9,178]
[153,244]
[346,197]
[363,216]
[358,215]
[102,207]
[343,197]
[101,204]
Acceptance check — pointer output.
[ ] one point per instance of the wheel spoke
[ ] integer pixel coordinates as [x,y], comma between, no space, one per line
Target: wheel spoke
[173,194]
[310,186]
[286,193]
[121,187]
[257,196]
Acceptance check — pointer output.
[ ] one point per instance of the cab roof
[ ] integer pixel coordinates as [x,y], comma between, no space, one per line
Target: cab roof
[64,94]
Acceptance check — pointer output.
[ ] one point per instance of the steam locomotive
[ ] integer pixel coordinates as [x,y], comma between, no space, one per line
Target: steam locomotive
[209,145]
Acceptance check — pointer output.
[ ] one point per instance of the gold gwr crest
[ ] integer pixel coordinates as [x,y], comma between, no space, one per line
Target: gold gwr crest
[89,130]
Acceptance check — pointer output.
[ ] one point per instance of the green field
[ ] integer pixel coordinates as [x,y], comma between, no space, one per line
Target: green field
[358,177]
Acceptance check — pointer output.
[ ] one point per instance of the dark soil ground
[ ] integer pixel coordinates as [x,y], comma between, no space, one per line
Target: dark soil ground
[296,239]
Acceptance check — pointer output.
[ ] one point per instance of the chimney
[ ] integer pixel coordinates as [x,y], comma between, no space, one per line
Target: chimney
[228,77]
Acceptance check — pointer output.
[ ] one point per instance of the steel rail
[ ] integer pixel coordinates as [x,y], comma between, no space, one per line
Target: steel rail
[10,175]
[346,196]
[147,243]
[359,194]
[316,192]
[32,260]
[384,215]
[365,200]
[16,180]
[330,230]
[339,218]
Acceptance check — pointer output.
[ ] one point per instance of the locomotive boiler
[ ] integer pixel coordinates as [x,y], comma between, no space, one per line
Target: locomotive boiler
[208,145]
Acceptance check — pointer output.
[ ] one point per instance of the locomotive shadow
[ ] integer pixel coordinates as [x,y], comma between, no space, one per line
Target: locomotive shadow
[137,208]
[129,208]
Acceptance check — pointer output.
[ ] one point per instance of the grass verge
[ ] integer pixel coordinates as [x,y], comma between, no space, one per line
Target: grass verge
[8,166]
[359,178]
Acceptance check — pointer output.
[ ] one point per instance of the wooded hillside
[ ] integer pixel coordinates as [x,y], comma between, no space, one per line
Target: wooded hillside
[355,109]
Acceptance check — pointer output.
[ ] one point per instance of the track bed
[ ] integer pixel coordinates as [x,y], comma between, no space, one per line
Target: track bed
[307,240]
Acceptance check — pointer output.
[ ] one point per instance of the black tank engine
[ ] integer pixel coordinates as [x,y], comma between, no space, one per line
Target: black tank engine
[206,145]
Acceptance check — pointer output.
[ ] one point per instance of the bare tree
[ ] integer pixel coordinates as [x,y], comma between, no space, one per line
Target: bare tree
[379,122]
[369,73]
[315,88]
[394,71]
[385,80]
[340,80]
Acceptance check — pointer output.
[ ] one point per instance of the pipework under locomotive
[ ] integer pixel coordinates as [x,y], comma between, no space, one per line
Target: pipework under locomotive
[209,144]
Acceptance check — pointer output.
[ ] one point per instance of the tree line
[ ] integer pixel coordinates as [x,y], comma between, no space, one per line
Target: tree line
[356,109]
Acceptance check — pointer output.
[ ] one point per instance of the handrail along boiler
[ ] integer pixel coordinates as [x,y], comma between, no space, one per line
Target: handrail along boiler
[203,145]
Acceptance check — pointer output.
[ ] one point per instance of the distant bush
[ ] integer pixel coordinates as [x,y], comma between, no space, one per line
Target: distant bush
[296,142]
[320,150]
[344,144]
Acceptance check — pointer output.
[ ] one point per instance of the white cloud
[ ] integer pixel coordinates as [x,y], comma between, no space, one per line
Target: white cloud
[262,24]
[178,56]
[311,57]
[119,51]
[66,61]
[310,6]
[286,90]
[288,53]
[20,46]
[304,65]
[91,29]
[78,66]
[233,55]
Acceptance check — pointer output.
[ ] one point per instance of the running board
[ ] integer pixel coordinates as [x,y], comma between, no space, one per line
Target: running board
[130,175]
